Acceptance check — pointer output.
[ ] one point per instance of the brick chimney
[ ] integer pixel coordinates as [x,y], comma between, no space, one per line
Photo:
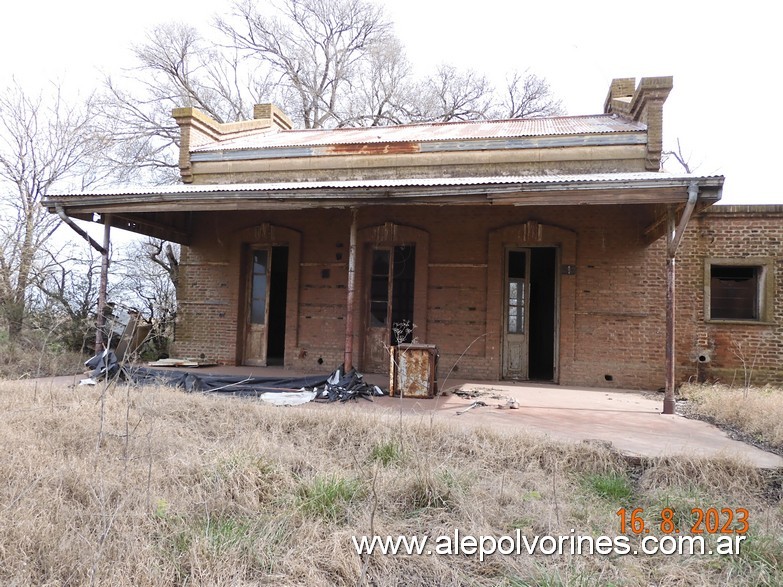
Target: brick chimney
[642,103]
[198,129]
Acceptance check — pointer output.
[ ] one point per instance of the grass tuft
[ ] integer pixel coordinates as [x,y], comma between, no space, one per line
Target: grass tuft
[610,486]
[328,497]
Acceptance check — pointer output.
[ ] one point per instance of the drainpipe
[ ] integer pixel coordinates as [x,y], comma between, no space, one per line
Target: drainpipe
[673,238]
[348,360]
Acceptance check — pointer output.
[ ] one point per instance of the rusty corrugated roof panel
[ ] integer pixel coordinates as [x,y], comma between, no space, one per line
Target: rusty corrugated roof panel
[439,131]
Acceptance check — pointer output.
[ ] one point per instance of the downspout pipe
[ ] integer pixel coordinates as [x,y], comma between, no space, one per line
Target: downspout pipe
[673,238]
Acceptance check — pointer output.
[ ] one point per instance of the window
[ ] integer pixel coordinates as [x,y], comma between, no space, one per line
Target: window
[737,290]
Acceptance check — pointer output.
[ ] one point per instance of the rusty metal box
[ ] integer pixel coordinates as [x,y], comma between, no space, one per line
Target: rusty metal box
[413,370]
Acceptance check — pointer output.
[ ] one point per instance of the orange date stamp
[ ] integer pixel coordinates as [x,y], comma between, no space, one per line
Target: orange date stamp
[703,521]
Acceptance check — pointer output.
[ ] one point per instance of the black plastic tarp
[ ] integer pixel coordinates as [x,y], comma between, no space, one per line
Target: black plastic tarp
[334,387]
[337,386]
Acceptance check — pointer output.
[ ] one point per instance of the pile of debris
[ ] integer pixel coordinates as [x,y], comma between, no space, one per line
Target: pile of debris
[343,387]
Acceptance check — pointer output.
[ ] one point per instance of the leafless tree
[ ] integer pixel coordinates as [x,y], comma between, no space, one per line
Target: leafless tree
[384,93]
[148,274]
[326,63]
[679,158]
[313,46]
[68,279]
[177,67]
[527,95]
[452,94]
[45,141]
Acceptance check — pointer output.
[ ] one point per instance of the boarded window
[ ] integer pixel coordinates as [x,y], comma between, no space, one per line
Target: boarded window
[735,292]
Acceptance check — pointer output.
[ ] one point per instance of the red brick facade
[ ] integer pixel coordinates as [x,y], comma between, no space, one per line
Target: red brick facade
[610,310]
[731,351]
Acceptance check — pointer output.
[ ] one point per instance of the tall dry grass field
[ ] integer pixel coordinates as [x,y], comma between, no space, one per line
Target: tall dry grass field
[152,486]
[754,411]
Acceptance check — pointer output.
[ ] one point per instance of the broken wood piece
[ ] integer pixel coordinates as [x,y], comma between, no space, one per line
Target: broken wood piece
[471,406]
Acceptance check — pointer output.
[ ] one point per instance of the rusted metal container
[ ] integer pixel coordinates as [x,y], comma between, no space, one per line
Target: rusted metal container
[412,370]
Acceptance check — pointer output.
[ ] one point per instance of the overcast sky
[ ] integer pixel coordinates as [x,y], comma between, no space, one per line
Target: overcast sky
[724,59]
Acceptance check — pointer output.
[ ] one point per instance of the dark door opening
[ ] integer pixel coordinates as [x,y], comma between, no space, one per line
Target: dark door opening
[278,288]
[542,322]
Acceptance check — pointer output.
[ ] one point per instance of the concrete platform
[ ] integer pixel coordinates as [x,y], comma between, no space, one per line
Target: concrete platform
[631,421]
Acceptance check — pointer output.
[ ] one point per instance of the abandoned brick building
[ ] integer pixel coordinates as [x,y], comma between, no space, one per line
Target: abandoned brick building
[523,249]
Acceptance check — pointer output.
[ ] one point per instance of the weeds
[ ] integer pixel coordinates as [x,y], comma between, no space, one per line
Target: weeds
[198,490]
[328,497]
[387,453]
[610,486]
[755,412]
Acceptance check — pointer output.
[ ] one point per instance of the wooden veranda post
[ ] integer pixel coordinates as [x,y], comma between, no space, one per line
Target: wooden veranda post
[103,286]
[349,309]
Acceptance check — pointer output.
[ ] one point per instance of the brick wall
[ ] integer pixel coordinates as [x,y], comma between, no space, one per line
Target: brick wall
[734,349]
[611,314]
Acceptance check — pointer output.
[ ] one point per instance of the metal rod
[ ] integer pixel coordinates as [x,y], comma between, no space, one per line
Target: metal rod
[67,219]
[668,400]
[673,238]
[349,310]
[103,286]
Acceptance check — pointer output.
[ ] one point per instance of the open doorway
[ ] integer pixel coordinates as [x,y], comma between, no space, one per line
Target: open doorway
[265,316]
[529,324]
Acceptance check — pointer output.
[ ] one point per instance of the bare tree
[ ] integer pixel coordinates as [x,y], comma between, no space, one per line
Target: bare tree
[527,95]
[149,273]
[384,92]
[68,280]
[453,94]
[45,141]
[327,63]
[679,157]
[177,67]
[314,46]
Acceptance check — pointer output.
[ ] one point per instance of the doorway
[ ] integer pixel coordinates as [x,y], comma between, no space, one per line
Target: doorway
[529,320]
[389,317]
[265,315]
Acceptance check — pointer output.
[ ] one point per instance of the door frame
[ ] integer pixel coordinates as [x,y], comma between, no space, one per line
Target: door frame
[267,235]
[524,235]
[390,235]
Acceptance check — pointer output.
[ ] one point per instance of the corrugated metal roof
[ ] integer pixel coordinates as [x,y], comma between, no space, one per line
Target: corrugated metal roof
[637,179]
[442,131]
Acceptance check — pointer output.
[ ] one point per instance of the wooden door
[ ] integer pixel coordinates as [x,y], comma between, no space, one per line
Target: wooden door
[377,334]
[389,320]
[257,311]
[516,311]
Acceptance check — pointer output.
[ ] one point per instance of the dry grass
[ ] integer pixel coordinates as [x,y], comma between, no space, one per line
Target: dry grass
[158,487]
[36,356]
[756,412]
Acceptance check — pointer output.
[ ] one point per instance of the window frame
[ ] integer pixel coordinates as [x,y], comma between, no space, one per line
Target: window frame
[765,292]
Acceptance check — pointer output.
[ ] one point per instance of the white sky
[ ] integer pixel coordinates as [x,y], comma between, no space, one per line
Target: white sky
[724,58]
